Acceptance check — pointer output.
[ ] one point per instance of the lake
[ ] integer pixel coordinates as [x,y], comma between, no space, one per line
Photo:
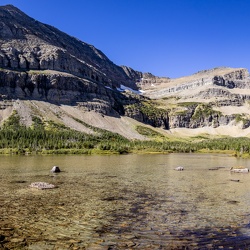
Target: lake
[125,202]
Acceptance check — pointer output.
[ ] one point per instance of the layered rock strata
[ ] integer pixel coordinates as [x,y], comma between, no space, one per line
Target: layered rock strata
[223,77]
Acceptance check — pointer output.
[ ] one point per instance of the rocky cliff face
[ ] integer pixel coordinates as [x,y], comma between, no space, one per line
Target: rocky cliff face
[200,100]
[223,77]
[37,61]
[27,44]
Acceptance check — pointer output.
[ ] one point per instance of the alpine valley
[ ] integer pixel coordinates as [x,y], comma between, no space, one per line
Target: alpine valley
[53,82]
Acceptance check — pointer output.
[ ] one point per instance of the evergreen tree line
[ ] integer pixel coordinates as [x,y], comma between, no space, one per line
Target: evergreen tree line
[239,145]
[65,141]
[37,140]
[56,138]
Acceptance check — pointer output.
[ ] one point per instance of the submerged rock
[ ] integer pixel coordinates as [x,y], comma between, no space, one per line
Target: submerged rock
[180,168]
[55,169]
[42,185]
[239,169]
[235,180]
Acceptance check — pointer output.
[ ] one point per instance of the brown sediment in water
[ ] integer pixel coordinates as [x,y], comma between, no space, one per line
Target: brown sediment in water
[125,207]
[59,220]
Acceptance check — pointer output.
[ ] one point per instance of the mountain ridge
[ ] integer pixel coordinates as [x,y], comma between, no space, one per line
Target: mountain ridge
[48,74]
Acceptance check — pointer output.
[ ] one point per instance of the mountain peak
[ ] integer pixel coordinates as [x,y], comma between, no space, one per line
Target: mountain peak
[11,10]
[27,44]
[9,7]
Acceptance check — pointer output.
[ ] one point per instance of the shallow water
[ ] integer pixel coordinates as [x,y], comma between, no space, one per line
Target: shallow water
[124,202]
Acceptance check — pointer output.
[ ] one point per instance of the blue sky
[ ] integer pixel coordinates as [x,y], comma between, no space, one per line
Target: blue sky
[171,38]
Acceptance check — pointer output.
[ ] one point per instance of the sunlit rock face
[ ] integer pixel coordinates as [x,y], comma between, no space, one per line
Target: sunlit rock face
[209,98]
[191,86]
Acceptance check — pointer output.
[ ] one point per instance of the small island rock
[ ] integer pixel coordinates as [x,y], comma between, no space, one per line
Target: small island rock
[180,168]
[239,169]
[55,169]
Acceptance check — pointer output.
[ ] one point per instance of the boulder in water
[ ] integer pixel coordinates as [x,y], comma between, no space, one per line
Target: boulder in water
[180,168]
[239,169]
[55,169]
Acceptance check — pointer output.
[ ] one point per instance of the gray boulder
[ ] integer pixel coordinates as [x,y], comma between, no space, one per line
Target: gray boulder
[55,169]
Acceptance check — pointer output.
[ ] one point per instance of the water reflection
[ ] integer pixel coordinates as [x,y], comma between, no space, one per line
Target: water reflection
[121,202]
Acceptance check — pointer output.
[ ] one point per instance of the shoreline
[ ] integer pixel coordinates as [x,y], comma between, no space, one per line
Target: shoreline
[90,152]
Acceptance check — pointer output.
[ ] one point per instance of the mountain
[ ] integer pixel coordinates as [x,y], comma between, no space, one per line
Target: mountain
[211,101]
[27,44]
[47,74]
[40,62]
